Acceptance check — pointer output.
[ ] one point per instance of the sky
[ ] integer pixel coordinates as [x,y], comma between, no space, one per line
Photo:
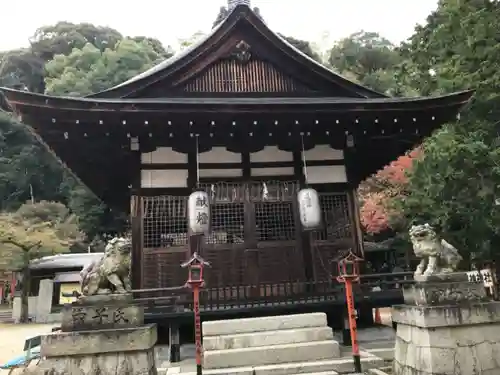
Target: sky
[317,21]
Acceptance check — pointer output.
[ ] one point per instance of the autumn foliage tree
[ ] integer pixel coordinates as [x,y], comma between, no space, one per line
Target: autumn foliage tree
[33,231]
[376,193]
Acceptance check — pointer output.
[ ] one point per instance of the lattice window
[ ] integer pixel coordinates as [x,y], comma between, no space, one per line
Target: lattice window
[274,221]
[228,223]
[273,191]
[254,191]
[336,220]
[164,221]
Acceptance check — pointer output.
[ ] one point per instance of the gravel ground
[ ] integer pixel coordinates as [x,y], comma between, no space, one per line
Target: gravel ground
[12,337]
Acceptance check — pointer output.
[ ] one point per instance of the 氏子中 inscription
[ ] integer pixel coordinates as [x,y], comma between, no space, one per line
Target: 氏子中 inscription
[101,317]
[119,316]
[78,315]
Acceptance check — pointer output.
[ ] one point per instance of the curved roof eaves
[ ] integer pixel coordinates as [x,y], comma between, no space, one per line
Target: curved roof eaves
[63,261]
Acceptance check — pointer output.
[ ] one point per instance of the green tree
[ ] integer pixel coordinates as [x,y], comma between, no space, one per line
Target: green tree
[456,183]
[158,47]
[88,70]
[369,59]
[33,231]
[303,46]
[22,69]
[61,38]
[94,217]
[188,42]
[27,170]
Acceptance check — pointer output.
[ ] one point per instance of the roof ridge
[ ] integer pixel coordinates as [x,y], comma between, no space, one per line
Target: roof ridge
[232,4]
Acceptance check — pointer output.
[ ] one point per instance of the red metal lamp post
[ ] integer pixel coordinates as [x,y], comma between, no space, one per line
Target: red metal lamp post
[195,282]
[348,268]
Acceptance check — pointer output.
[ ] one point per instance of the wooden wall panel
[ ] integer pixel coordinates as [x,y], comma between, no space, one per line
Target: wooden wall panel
[233,76]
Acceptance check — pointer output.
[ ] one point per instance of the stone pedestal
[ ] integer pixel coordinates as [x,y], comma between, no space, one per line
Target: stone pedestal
[100,336]
[447,326]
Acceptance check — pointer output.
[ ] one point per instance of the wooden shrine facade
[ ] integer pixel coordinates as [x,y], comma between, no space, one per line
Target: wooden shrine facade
[250,119]
[256,236]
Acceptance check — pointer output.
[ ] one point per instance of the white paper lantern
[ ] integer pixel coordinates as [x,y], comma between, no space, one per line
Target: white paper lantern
[309,209]
[199,212]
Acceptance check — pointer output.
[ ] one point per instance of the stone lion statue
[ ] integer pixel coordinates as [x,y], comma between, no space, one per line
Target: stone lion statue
[111,273]
[437,255]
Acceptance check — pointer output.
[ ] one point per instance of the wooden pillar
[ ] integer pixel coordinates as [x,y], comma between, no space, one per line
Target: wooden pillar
[350,165]
[252,274]
[356,222]
[246,166]
[192,171]
[136,221]
[136,227]
[174,342]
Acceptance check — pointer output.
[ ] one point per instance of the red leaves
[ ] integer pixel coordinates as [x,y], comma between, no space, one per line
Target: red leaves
[378,190]
[374,215]
[395,173]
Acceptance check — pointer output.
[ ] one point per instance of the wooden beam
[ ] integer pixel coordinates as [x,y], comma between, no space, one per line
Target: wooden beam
[245,163]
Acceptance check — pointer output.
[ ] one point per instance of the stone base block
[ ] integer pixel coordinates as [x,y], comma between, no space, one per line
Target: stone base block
[267,338]
[102,352]
[275,354]
[130,363]
[444,290]
[447,340]
[269,323]
[78,317]
[59,344]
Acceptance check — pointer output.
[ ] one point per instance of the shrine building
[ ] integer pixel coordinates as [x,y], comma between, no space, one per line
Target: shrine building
[251,120]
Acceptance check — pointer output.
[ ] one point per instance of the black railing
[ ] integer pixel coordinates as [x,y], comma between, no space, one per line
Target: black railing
[179,299]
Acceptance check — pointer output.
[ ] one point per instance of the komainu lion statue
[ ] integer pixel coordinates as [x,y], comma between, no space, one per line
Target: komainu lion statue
[437,255]
[111,273]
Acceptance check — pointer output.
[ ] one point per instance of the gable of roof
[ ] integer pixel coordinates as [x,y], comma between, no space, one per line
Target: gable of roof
[242,27]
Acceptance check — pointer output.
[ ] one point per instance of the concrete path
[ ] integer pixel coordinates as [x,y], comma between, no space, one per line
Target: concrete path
[12,337]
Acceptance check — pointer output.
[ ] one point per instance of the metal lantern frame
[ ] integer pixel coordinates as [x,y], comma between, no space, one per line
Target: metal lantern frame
[195,267]
[195,281]
[348,267]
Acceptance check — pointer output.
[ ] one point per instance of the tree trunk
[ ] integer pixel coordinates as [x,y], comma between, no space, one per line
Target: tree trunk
[24,318]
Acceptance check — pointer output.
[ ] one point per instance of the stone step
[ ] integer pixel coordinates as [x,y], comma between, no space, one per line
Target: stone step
[332,367]
[346,365]
[380,371]
[267,338]
[386,354]
[268,355]
[270,323]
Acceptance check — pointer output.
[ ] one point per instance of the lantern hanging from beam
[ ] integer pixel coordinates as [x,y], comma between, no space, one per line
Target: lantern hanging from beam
[309,209]
[199,213]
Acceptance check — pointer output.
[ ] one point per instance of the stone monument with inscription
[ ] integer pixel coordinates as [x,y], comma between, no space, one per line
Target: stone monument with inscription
[448,325]
[103,332]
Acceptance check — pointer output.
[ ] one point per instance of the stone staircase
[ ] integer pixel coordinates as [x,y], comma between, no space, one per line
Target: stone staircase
[6,316]
[280,345]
